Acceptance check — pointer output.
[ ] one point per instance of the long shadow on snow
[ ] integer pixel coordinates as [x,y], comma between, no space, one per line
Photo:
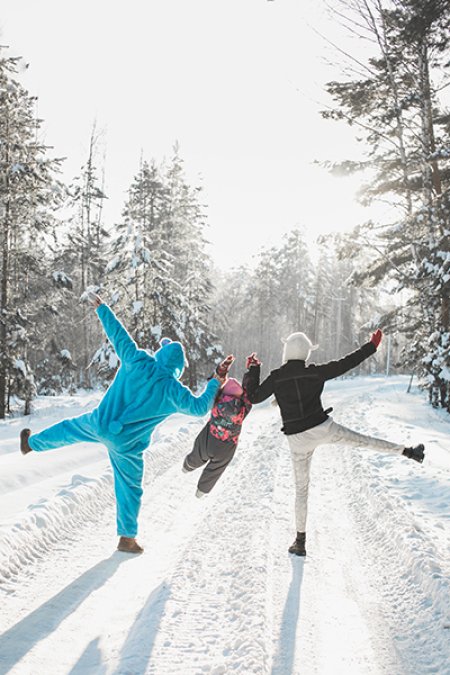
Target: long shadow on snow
[138,646]
[283,661]
[19,639]
[91,660]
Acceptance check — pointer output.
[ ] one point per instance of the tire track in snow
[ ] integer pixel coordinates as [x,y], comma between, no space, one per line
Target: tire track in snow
[218,617]
[409,571]
[290,642]
[326,621]
[340,607]
[403,548]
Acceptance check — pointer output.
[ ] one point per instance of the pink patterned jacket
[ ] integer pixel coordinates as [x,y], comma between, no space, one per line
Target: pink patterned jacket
[229,412]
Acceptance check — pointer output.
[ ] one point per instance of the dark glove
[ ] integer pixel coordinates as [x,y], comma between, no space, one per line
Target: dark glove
[376,338]
[223,368]
[252,360]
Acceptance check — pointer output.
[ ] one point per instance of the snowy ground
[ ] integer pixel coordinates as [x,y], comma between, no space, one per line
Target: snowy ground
[216,592]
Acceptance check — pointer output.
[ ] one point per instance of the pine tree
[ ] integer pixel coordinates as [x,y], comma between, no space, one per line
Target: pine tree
[255,308]
[184,232]
[29,194]
[140,272]
[296,283]
[233,315]
[85,249]
[397,104]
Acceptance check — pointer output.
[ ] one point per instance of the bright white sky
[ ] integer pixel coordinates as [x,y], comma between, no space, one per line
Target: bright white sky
[236,82]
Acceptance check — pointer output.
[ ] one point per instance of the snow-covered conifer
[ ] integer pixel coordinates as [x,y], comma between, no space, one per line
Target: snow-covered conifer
[29,195]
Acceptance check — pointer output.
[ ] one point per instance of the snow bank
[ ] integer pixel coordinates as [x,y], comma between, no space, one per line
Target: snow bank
[49,521]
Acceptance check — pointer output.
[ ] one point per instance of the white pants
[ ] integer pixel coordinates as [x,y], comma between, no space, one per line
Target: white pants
[302,446]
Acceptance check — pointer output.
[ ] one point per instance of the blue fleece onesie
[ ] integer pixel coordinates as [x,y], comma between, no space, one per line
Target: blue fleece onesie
[144,392]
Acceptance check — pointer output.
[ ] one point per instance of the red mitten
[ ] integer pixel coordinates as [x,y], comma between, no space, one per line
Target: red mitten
[376,338]
[223,368]
[252,360]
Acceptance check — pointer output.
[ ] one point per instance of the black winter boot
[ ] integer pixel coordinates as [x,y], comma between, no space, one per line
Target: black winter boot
[416,453]
[298,547]
[24,445]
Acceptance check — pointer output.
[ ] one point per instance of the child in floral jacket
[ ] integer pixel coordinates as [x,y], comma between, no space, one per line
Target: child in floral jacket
[217,441]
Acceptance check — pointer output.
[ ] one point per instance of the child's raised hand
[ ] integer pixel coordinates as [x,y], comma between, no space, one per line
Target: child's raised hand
[223,367]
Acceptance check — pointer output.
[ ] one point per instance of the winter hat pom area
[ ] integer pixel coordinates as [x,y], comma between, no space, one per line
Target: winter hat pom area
[165,341]
[297,346]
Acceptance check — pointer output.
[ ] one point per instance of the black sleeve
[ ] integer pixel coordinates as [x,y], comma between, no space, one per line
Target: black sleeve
[332,369]
[259,392]
[250,381]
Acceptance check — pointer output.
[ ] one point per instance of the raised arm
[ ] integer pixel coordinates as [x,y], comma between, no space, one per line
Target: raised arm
[124,345]
[260,392]
[332,369]
[250,381]
[255,391]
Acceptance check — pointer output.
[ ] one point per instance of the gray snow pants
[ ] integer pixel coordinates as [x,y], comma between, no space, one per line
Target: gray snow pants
[302,446]
[212,452]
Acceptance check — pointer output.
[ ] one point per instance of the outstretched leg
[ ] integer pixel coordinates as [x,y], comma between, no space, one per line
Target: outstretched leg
[67,432]
[337,433]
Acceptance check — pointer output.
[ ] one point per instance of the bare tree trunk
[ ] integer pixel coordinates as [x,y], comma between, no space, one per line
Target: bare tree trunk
[86,252]
[432,176]
[4,285]
[400,126]
[3,317]
[427,126]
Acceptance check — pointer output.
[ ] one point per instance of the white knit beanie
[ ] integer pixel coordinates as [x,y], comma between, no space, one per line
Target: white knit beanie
[297,346]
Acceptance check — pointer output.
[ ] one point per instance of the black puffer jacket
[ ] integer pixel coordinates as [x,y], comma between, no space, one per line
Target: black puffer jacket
[298,388]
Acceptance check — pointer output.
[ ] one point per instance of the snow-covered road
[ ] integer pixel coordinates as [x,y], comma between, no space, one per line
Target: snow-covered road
[216,592]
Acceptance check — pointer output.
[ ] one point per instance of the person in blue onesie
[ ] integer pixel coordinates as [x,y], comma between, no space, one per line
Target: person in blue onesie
[144,392]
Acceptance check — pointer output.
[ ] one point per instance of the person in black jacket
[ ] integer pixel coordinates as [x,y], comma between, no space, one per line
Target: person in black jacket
[297,388]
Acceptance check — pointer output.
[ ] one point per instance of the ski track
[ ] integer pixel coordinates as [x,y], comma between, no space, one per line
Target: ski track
[407,548]
[216,592]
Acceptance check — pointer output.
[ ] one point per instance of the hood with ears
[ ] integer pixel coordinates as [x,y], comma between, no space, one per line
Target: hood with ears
[171,356]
